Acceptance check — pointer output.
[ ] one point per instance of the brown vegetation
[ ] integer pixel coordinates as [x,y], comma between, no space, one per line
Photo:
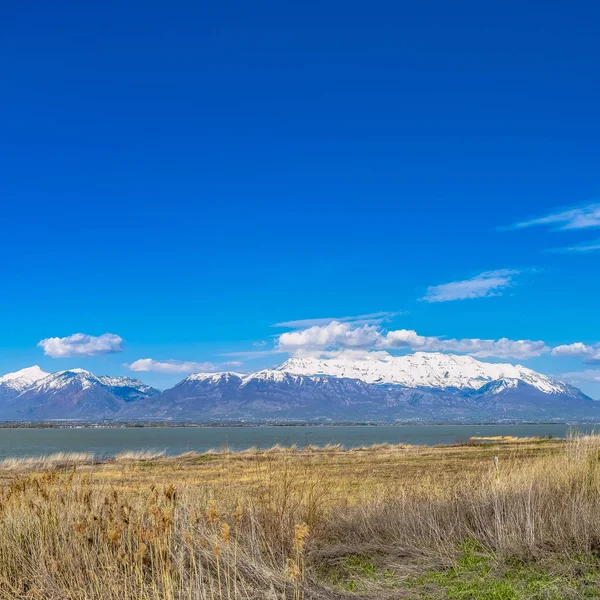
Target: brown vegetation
[298,523]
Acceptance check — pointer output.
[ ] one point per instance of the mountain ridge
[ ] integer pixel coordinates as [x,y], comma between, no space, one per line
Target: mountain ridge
[429,387]
[71,393]
[421,369]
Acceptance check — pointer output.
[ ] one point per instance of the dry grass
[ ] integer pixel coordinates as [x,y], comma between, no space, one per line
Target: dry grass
[289,523]
[50,461]
[133,455]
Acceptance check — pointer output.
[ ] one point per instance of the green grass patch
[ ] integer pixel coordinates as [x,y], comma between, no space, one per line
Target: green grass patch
[479,575]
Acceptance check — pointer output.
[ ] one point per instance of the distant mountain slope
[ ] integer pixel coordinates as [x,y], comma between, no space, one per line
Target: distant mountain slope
[423,387]
[450,394]
[422,369]
[128,388]
[12,384]
[263,395]
[73,394]
[522,401]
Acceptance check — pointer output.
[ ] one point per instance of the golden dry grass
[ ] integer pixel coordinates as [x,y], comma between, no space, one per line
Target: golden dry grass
[278,523]
[49,461]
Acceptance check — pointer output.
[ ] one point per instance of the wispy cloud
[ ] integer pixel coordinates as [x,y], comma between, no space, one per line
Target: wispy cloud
[484,285]
[81,344]
[581,376]
[577,217]
[584,248]
[370,337]
[591,353]
[371,318]
[253,353]
[171,366]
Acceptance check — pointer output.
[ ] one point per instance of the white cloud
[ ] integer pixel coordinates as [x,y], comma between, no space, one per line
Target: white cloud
[335,336]
[171,366]
[581,377]
[345,353]
[581,248]
[580,217]
[576,349]
[368,319]
[253,353]
[591,353]
[502,348]
[487,284]
[81,344]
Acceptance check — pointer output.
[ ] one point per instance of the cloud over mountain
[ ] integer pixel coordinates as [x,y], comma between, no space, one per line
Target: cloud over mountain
[501,348]
[371,337]
[591,353]
[592,375]
[170,366]
[333,334]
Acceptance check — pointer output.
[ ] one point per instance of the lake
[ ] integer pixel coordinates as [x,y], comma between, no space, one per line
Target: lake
[106,442]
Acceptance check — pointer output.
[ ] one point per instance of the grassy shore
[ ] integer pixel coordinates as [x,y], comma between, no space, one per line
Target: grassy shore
[505,520]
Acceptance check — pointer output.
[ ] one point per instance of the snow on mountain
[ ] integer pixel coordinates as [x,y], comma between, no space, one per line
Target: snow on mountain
[73,393]
[420,387]
[61,379]
[20,380]
[499,386]
[272,375]
[223,376]
[128,388]
[423,369]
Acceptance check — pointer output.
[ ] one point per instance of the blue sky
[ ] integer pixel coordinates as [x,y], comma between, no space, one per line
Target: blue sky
[186,176]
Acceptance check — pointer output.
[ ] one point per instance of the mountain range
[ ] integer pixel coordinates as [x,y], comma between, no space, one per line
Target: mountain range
[33,395]
[419,387]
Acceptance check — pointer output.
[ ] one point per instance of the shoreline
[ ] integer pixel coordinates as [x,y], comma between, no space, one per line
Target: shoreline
[63,424]
[80,458]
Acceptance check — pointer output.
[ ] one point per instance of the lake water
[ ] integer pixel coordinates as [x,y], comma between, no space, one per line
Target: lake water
[176,440]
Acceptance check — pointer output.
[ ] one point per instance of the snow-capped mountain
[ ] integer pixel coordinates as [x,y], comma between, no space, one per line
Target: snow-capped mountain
[73,393]
[423,369]
[422,387]
[419,387]
[128,388]
[265,395]
[212,377]
[12,384]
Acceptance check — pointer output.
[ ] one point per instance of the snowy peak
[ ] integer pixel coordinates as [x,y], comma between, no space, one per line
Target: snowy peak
[73,394]
[420,387]
[499,385]
[222,377]
[128,388]
[78,380]
[126,382]
[61,379]
[422,369]
[22,379]
[266,375]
